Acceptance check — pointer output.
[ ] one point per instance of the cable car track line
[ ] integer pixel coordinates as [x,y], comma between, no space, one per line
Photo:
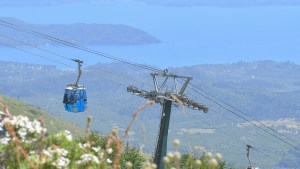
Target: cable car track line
[261,133]
[51,38]
[236,109]
[246,119]
[272,139]
[67,58]
[32,32]
[52,60]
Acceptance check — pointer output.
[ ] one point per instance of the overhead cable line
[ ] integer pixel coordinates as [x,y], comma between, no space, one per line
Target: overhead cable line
[261,132]
[51,38]
[52,60]
[240,116]
[67,58]
[226,133]
[29,31]
[236,109]
[231,119]
[210,124]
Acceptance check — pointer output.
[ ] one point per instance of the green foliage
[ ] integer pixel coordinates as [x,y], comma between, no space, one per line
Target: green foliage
[263,90]
[94,138]
[188,161]
[134,156]
[97,140]
[26,145]
[52,124]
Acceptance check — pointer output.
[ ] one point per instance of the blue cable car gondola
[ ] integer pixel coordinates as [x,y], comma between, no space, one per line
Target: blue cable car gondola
[75,99]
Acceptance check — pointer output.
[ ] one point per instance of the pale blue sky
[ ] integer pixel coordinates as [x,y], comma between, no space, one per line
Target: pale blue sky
[190,35]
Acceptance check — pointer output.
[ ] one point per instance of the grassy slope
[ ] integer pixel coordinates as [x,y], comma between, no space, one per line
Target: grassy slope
[52,123]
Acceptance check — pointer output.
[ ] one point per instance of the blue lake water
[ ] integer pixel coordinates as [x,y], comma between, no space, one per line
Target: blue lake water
[189,35]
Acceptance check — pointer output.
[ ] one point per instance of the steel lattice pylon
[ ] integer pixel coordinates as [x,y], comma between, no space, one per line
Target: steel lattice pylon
[166,99]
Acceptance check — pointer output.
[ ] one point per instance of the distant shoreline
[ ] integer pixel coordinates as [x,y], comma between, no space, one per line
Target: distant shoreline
[80,33]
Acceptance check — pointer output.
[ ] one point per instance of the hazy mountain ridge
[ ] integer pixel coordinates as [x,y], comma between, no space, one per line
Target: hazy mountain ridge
[262,89]
[80,33]
[20,72]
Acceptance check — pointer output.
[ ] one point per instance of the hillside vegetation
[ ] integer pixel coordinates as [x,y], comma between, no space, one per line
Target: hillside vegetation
[27,143]
[266,91]
[53,124]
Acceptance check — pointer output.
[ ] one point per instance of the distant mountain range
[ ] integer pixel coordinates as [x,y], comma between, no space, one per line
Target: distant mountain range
[83,34]
[263,89]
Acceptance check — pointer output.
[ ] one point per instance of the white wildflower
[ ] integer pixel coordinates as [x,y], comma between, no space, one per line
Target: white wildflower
[128,165]
[213,163]
[85,158]
[61,162]
[22,121]
[22,132]
[36,125]
[170,155]
[11,121]
[208,155]
[198,163]
[154,166]
[68,135]
[101,155]
[96,149]
[61,152]
[1,126]
[85,145]
[4,140]
[51,153]
[166,160]
[22,125]
[109,161]
[176,143]
[177,155]
[109,151]
[47,154]
[30,129]
[218,156]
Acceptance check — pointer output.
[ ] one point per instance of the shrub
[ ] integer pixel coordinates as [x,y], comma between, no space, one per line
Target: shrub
[25,144]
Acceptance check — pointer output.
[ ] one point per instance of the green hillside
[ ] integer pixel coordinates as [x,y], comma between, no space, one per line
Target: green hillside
[53,124]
